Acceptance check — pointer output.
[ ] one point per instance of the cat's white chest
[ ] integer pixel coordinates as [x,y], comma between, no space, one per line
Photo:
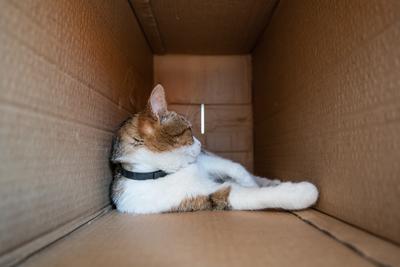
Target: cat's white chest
[153,196]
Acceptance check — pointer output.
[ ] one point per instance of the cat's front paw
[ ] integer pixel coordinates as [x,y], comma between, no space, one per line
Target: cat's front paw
[299,195]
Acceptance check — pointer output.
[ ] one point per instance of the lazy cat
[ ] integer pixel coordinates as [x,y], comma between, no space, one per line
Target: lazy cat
[161,168]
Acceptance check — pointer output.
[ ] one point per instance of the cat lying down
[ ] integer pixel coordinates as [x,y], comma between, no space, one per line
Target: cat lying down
[161,168]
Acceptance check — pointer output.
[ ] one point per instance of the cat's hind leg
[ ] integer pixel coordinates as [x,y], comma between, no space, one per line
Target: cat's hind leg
[287,196]
[262,181]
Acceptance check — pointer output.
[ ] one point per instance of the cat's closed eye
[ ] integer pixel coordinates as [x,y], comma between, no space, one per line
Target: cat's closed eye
[185,138]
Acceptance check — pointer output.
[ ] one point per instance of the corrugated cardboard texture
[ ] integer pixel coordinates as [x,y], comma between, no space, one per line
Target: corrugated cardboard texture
[23,252]
[381,252]
[204,79]
[70,72]
[223,84]
[327,106]
[203,27]
[199,239]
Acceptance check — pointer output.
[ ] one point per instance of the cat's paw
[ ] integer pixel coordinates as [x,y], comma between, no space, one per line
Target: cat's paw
[299,195]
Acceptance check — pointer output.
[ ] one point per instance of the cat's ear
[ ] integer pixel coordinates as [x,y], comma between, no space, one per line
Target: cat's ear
[157,102]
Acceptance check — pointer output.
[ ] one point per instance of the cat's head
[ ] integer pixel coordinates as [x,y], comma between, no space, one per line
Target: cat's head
[161,129]
[157,137]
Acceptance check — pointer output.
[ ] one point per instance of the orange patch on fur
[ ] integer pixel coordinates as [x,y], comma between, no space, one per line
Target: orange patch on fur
[194,204]
[220,200]
[172,133]
[216,201]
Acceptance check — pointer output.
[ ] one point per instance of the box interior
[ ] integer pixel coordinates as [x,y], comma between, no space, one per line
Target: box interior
[295,90]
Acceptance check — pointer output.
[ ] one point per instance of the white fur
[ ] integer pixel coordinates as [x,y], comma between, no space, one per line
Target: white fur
[287,195]
[193,173]
[145,160]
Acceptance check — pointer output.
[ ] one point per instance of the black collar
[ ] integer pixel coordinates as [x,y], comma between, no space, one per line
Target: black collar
[142,175]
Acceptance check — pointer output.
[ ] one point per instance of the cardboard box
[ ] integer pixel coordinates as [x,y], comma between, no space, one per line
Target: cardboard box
[300,89]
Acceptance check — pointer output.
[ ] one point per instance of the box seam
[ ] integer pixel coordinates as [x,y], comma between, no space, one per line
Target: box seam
[155,29]
[347,244]
[261,34]
[31,248]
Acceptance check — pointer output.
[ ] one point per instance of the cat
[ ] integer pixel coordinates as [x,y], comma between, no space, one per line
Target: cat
[162,168]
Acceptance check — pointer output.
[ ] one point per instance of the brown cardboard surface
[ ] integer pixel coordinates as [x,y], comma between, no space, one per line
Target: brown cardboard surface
[327,106]
[203,27]
[23,252]
[198,239]
[58,173]
[376,249]
[192,79]
[148,22]
[70,72]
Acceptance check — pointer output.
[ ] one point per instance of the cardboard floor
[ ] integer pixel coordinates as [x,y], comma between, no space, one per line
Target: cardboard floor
[269,238]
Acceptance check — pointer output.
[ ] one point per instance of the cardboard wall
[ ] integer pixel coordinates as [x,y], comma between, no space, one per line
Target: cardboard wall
[70,72]
[223,84]
[203,27]
[327,106]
